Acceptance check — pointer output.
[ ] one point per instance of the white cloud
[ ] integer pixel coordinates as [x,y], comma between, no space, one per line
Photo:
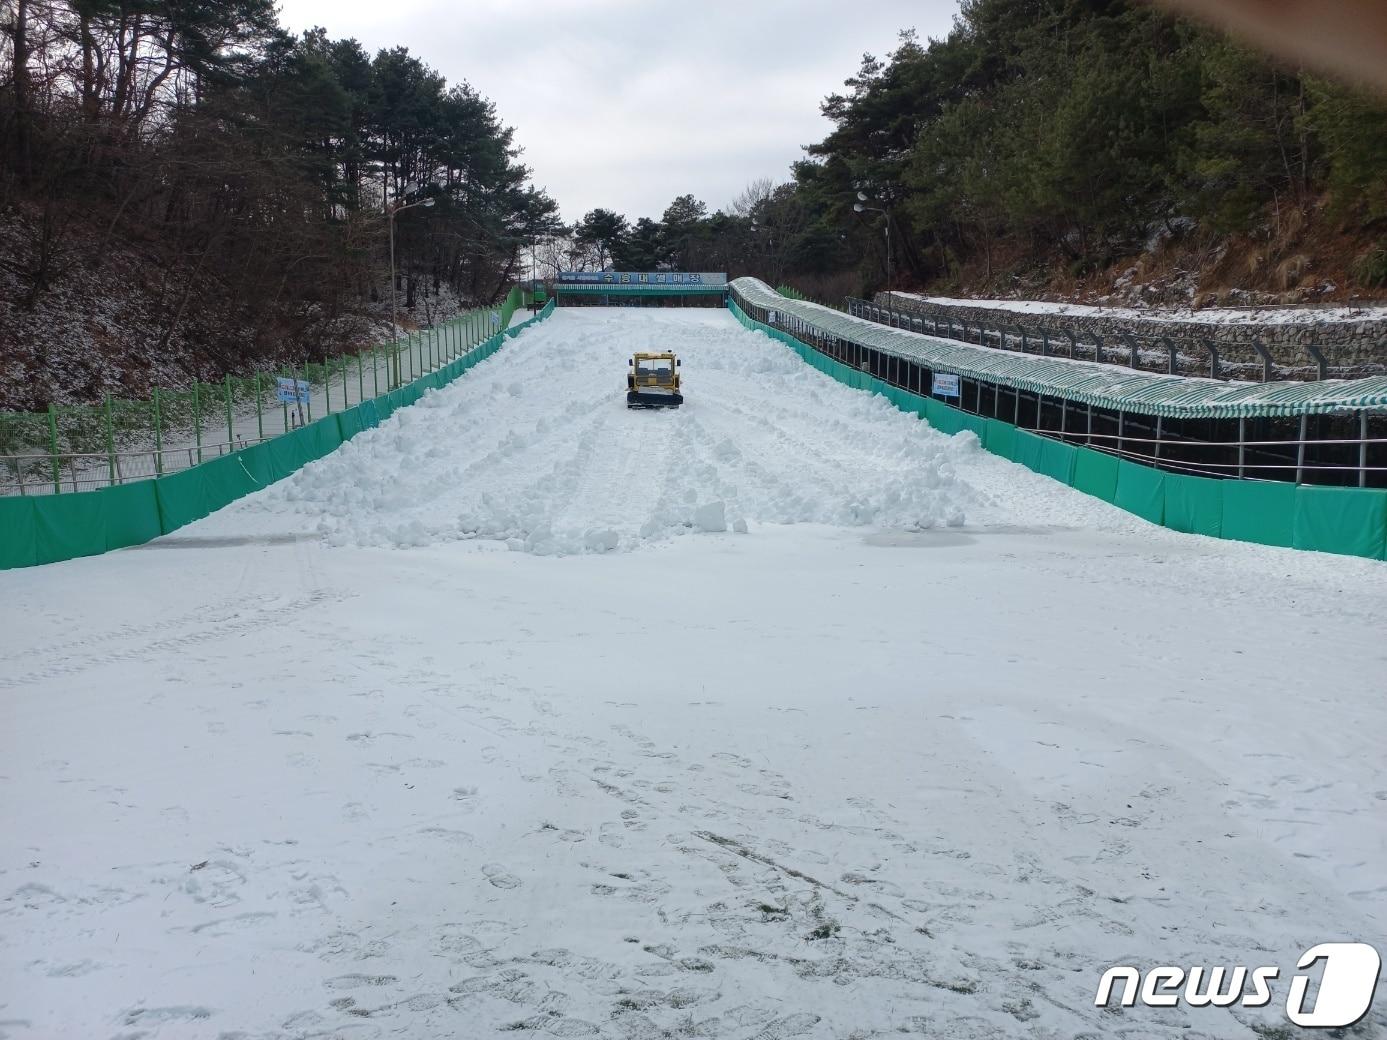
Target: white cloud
[627,104]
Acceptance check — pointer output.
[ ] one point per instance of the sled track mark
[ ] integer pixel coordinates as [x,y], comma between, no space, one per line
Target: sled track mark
[169,645]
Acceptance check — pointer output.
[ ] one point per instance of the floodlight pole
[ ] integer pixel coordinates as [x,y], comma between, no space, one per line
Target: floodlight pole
[860,207]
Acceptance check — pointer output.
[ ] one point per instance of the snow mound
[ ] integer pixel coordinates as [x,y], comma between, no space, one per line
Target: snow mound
[762,439]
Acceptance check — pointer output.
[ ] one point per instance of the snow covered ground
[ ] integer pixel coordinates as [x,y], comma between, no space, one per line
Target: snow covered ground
[484,724]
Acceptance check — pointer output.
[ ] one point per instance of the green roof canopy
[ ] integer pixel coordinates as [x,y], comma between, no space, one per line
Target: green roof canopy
[1083,382]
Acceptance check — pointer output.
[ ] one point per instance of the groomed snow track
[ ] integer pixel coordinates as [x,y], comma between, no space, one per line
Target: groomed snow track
[777,715]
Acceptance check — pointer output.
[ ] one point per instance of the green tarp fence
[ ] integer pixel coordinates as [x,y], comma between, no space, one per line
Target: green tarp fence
[50,528]
[1347,521]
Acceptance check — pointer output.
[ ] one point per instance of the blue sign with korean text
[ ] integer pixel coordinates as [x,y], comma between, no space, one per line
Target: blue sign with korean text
[292,391]
[944,384]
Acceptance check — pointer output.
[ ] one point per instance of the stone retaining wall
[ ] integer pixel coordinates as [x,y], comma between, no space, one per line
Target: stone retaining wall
[1352,348]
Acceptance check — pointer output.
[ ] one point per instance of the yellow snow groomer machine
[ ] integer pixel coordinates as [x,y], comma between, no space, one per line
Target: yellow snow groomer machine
[653,381]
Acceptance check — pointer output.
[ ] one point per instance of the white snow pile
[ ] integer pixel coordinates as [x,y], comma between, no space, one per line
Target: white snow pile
[1283,315]
[535,449]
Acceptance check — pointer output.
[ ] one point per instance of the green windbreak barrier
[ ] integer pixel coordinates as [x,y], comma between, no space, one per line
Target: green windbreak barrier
[1095,474]
[183,498]
[1045,455]
[1259,511]
[348,423]
[1350,521]
[132,514]
[47,528]
[1140,490]
[975,424]
[260,464]
[18,547]
[226,480]
[68,526]
[942,417]
[325,436]
[1001,438]
[286,455]
[1194,505]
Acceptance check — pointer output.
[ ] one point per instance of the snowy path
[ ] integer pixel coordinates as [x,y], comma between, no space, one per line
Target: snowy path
[852,773]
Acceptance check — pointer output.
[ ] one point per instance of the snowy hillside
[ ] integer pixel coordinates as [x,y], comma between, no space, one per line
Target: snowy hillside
[778,716]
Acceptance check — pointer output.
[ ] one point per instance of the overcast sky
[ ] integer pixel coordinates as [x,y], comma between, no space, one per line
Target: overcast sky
[627,104]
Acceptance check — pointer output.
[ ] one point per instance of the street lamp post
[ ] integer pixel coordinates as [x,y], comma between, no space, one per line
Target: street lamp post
[860,207]
[394,319]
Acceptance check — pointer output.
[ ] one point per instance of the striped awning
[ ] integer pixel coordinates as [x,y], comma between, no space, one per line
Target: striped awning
[1082,382]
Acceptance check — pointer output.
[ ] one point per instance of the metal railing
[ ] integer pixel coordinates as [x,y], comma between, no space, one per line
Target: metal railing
[84,471]
[81,447]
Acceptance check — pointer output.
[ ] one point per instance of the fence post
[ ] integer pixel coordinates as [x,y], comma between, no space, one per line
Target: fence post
[1212,348]
[1172,361]
[197,419]
[259,410]
[310,391]
[230,426]
[110,445]
[1266,358]
[1242,445]
[284,406]
[158,437]
[1363,448]
[53,447]
[1300,451]
[327,384]
[375,369]
[1132,346]
[1321,363]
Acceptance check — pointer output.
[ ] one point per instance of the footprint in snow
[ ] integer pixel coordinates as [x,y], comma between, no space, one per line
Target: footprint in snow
[500,876]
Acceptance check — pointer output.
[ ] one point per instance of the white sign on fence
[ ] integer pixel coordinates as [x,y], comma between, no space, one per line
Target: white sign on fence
[945,385]
[292,391]
[770,317]
[495,317]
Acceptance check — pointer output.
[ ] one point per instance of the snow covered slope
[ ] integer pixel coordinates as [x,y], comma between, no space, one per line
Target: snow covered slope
[537,450]
[854,772]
